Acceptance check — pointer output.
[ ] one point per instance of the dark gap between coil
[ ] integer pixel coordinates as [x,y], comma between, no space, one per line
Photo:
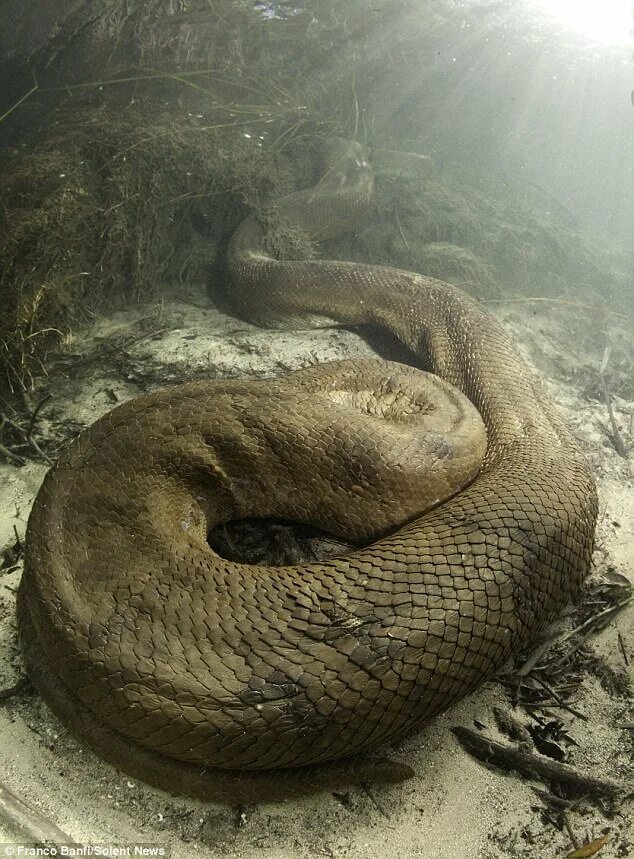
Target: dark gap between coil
[274,542]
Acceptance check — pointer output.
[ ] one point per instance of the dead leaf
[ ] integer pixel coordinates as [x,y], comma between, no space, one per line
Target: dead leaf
[617,578]
[588,849]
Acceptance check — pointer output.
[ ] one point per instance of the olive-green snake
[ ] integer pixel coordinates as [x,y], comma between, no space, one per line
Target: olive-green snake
[234,682]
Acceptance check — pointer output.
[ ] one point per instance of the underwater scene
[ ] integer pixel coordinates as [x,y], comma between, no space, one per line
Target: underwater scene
[316,428]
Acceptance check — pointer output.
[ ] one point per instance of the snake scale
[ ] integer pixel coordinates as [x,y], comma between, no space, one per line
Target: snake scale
[227,681]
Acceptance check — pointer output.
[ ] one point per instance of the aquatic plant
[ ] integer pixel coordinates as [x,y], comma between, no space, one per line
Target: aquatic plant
[133,156]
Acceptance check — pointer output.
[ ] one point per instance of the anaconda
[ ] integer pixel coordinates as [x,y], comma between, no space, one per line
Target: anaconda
[230,681]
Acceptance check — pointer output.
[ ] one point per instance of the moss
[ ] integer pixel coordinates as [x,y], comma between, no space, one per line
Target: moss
[105,208]
[113,200]
[489,238]
[49,221]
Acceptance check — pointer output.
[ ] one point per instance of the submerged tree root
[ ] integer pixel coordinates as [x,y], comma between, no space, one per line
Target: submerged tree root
[28,822]
[519,759]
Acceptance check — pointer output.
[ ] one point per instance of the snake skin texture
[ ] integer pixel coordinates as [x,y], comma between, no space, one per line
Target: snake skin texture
[227,681]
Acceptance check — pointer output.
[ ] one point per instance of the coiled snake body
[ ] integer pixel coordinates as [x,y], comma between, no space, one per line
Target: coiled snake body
[228,681]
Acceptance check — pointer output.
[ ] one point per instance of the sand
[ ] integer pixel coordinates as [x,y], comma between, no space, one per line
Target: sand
[455,806]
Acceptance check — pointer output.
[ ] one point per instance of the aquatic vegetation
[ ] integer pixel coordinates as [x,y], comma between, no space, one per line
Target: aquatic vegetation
[110,211]
[141,162]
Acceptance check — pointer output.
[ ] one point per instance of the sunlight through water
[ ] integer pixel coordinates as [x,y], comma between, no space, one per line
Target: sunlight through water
[607,21]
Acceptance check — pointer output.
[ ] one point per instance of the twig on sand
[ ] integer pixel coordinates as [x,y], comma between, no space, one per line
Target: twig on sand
[35,413]
[4,451]
[626,658]
[617,438]
[534,658]
[532,765]
[26,434]
[589,627]
[550,798]
[29,822]
[560,700]
[375,802]
[11,691]
[571,834]
[538,682]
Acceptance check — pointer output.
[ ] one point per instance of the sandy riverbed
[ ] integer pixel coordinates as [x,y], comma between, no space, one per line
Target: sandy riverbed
[455,807]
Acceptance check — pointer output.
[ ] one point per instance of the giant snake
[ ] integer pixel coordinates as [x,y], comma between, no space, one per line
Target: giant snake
[230,681]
